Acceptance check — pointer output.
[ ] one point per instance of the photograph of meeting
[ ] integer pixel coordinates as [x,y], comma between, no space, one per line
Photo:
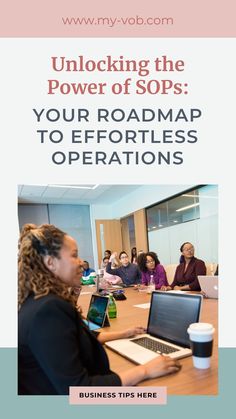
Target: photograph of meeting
[118,286]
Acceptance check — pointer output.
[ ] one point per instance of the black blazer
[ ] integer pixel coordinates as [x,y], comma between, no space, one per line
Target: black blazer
[56,349]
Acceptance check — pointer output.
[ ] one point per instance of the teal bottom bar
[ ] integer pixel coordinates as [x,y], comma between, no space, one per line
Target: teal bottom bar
[13,406]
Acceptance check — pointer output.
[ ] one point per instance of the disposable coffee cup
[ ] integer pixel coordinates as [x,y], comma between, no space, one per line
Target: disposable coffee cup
[201,342]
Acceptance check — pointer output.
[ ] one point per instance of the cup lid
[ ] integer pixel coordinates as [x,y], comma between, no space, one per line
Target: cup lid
[203,328]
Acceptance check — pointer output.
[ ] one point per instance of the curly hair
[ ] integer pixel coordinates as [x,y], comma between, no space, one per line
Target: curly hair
[33,275]
[142,260]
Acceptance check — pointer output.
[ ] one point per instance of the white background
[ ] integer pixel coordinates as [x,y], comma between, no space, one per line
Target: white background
[210,73]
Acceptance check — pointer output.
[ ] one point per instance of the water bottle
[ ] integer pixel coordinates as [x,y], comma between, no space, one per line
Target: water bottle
[99,283]
[112,311]
[151,286]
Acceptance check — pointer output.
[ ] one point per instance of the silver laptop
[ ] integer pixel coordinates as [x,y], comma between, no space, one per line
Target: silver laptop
[209,285]
[169,317]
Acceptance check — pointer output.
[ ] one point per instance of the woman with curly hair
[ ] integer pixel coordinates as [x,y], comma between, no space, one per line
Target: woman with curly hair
[56,350]
[151,268]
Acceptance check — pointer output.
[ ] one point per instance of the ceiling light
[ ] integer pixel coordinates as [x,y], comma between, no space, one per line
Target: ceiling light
[92,187]
[200,196]
[190,196]
[187,207]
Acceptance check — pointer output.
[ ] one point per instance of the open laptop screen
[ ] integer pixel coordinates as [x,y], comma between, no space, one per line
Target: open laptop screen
[171,314]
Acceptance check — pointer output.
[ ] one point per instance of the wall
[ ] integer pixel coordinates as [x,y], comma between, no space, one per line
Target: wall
[202,232]
[143,197]
[74,219]
[35,214]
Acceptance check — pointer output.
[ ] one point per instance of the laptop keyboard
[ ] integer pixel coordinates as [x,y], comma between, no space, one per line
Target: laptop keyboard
[155,346]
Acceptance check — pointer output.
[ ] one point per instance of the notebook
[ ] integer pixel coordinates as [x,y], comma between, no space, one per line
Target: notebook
[170,315]
[97,312]
[209,285]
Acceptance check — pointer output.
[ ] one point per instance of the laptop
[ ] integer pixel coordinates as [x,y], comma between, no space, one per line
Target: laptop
[209,285]
[97,312]
[169,318]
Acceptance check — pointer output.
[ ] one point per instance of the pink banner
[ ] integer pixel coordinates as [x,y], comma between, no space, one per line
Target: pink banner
[152,18]
[118,395]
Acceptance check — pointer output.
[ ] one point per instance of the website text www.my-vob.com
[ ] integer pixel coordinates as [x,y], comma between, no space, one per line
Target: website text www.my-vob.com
[115,21]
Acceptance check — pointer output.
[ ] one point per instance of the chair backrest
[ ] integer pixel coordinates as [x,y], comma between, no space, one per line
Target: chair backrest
[170,272]
[211,268]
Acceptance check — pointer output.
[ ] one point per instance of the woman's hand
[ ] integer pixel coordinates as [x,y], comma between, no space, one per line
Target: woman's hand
[164,288]
[141,287]
[159,366]
[162,365]
[128,333]
[113,257]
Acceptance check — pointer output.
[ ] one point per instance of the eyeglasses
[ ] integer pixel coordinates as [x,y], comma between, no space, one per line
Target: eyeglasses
[149,262]
[191,249]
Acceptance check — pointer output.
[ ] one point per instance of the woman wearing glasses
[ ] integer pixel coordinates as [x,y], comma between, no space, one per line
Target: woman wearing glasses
[187,271]
[152,270]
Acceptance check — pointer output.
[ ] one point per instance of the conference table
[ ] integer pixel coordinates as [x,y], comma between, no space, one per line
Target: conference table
[189,380]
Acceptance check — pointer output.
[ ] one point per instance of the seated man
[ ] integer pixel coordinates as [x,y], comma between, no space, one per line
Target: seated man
[128,272]
[87,270]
